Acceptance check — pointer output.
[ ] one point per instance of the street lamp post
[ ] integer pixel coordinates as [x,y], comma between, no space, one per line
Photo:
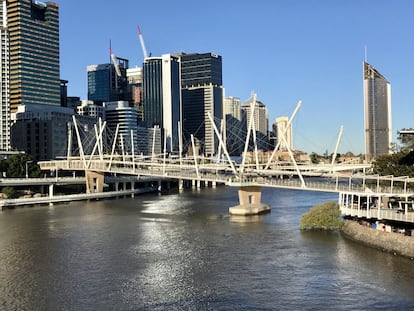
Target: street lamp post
[27,171]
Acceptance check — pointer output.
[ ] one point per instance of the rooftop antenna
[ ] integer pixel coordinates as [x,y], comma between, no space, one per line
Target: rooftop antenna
[141,40]
[366,54]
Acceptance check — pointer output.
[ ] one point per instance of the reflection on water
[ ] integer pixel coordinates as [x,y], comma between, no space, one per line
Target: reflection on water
[183,251]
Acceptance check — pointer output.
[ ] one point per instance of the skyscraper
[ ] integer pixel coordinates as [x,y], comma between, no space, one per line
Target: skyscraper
[108,82]
[162,100]
[202,93]
[281,125]
[260,119]
[4,80]
[34,52]
[377,108]
[29,58]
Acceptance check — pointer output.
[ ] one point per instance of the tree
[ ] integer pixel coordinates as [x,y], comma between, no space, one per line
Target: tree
[15,166]
[314,157]
[8,192]
[324,216]
[407,140]
[397,164]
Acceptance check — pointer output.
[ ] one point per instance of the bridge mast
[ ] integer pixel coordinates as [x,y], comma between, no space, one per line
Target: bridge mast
[221,142]
[337,146]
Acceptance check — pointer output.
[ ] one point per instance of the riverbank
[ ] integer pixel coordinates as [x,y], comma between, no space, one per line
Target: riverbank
[392,242]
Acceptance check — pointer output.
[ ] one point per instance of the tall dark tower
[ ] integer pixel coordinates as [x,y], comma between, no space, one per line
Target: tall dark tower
[377,104]
[33,29]
[202,93]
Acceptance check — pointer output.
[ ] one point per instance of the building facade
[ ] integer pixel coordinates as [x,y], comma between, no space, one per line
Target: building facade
[280,127]
[232,106]
[89,108]
[33,29]
[41,130]
[202,93]
[377,113]
[108,82]
[29,58]
[120,114]
[162,97]
[4,80]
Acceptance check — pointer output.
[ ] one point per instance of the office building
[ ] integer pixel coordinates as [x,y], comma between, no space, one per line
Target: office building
[135,80]
[34,53]
[377,108]
[280,127]
[120,114]
[108,82]
[41,130]
[202,93]
[29,58]
[235,126]
[232,106]
[89,108]
[260,121]
[162,97]
[4,80]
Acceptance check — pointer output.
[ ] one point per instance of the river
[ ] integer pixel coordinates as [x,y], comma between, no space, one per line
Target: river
[182,251]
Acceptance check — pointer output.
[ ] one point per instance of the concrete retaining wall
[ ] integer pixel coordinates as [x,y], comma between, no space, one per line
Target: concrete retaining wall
[387,241]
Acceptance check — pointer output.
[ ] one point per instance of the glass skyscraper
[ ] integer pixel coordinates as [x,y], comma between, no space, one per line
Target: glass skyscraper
[33,29]
[105,84]
[377,104]
[202,93]
[162,100]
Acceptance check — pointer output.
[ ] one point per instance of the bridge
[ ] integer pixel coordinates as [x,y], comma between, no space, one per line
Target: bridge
[351,181]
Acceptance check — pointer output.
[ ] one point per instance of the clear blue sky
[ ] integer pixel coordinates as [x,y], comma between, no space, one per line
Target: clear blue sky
[284,50]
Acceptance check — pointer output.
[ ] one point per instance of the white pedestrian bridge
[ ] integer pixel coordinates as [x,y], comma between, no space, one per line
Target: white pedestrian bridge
[360,194]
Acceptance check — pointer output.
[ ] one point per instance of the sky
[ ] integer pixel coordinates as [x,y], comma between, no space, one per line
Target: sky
[283,50]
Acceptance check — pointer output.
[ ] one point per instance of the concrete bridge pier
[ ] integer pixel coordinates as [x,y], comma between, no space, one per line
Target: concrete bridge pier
[250,202]
[51,190]
[94,181]
[180,184]
[213,184]
[132,188]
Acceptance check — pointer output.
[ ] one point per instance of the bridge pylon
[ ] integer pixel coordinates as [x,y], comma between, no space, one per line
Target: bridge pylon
[250,202]
[94,181]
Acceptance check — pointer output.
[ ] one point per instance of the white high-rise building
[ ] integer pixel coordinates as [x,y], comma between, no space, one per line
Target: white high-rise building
[281,125]
[4,80]
[260,117]
[232,107]
[377,104]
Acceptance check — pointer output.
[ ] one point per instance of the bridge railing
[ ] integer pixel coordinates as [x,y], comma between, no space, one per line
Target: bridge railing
[376,213]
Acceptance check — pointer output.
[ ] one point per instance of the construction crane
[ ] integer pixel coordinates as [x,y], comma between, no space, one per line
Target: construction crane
[114,60]
[141,40]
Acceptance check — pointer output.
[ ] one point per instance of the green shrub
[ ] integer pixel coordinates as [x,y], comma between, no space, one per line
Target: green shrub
[324,216]
[8,192]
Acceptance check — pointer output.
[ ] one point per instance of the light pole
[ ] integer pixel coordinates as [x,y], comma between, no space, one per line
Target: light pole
[27,171]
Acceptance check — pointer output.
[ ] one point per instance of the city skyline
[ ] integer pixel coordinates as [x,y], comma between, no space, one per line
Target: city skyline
[284,52]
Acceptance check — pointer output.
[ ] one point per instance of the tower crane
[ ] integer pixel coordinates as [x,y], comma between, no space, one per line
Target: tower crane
[115,61]
[141,40]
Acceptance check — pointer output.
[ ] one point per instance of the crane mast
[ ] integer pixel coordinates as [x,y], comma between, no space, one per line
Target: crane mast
[115,61]
[141,40]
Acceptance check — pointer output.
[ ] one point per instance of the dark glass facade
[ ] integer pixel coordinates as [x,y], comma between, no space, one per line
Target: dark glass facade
[152,89]
[201,69]
[34,52]
[202,93]
[162,98]
[105,85]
